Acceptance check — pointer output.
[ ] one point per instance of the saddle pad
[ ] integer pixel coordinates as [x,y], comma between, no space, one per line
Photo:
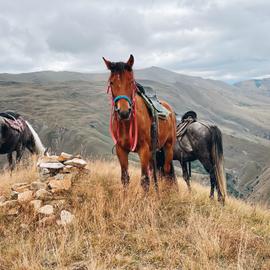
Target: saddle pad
[150,97]
[16,124]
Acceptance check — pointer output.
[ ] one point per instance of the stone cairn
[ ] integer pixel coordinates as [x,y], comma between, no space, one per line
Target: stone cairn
[46,197]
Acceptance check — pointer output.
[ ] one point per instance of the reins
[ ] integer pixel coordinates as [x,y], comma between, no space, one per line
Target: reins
[133,126]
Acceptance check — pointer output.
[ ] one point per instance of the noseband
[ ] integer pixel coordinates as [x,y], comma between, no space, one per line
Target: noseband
[123,97]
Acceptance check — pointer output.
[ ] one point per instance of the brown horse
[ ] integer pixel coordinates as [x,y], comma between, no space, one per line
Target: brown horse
[131,124]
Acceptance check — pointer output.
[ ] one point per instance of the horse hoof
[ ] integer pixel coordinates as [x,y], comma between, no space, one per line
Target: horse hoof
[221,200]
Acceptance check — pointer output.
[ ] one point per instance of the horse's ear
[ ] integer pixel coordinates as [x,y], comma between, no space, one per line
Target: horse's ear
[130,61]
[107,63]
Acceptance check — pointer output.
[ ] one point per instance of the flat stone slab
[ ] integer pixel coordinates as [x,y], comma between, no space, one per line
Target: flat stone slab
[51,165]
[64,157]
[77,162]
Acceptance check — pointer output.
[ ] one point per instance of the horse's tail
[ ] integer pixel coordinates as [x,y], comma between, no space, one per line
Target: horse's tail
[38,147]
[218,160]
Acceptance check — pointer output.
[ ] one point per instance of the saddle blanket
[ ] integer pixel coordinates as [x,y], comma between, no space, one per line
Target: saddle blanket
[15,122]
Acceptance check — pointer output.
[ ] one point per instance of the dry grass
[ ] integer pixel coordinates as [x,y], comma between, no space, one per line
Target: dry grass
[176,231]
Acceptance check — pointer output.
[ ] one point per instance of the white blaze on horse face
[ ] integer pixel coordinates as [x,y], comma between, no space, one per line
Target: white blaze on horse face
[121,87]
[123,105]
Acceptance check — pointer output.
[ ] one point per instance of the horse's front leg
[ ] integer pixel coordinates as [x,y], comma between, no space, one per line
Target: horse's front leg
[145,157]
[122,155]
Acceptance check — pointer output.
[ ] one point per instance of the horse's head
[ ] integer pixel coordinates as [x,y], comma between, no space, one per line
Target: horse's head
[122,85]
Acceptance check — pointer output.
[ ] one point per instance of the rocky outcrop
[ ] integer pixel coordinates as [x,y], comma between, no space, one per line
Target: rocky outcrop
[46,196]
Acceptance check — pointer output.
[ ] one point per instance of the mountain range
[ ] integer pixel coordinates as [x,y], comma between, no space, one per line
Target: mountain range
[70,111]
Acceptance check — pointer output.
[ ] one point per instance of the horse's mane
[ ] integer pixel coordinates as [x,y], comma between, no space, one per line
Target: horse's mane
[119,67]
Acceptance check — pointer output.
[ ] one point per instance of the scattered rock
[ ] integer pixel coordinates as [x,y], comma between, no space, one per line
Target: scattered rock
[20,187]
[14,195]
[59,176]
[9,204]
[65,218]
[46,210]
[36,185]
[69,169]
[60,185]
[77,162]
[2,199]
[25,196]
[13,211]
[44,174]
[64,157]
[43,194]
[36,204]
[58,203]
[44,171]
[10,208]
[46,221]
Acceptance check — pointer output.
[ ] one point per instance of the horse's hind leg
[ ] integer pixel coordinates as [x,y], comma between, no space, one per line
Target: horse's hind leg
[213,184]
[19,153]
[208,166]
[186,174]
[145,157]
[123,159]
[10,161]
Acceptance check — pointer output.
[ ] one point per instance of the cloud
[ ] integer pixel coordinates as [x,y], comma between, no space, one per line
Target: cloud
[214,39]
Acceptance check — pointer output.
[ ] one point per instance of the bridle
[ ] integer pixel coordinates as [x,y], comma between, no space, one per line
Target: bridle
[133,127]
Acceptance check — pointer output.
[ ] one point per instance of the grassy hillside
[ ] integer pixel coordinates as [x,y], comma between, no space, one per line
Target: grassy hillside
[71,111]
[176,231]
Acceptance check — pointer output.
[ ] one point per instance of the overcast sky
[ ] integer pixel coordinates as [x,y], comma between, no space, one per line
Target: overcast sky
[227,40]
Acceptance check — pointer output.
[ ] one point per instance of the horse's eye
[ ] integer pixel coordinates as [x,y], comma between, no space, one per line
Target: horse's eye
[111,83]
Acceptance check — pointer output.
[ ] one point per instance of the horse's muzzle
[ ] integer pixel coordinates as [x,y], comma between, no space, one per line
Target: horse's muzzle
[124,115]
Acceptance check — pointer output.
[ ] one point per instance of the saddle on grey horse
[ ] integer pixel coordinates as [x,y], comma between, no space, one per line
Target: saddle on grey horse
[152,101]
[187,119]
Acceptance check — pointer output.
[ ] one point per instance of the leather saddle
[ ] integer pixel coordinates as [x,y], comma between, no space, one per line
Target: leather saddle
[152,101]
[187,119]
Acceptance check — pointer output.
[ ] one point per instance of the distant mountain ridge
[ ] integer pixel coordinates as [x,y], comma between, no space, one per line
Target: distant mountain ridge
[71,111]
[258,86]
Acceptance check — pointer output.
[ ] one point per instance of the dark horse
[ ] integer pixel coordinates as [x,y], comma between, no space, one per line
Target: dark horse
[16,135]
[131,124]
[200,141]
